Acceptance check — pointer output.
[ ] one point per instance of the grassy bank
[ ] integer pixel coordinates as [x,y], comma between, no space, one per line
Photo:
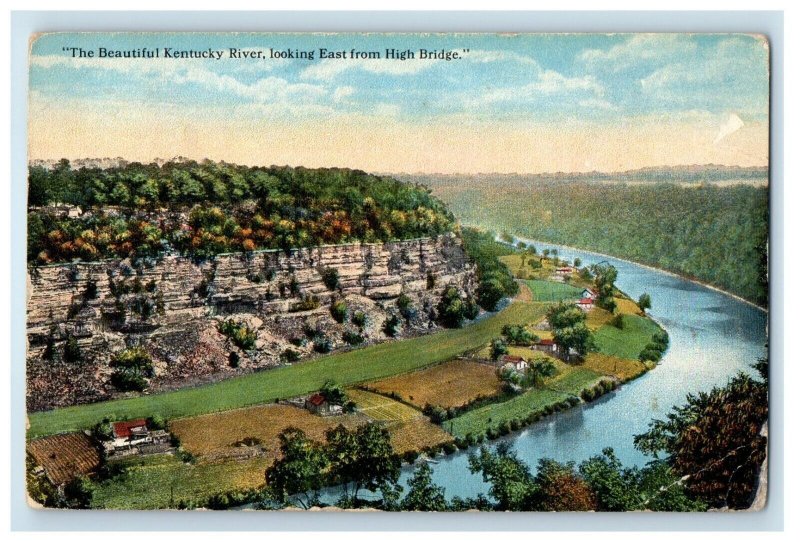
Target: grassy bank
[370,363]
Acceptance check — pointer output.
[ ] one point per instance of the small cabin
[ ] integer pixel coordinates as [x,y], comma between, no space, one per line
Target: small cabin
[585,304]
[564,271]
[517,363]
[546,345]
[589,293]
[319,405]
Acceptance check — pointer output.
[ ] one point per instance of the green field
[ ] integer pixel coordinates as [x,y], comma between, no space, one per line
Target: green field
[478,420]
[575,381]
[549,291]
[627,342]
[370,363]
[162,481]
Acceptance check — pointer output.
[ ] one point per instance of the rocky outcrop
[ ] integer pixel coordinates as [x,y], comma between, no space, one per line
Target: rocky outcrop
[172,308]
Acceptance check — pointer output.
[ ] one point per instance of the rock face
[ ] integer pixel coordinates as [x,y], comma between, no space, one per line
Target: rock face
[172,308]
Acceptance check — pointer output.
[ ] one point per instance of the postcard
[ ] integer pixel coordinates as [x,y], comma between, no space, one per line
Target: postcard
[398,272]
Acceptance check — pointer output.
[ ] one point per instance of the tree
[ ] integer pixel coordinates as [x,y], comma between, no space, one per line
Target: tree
[330,277]
[510,480]
[538,371]
[569,329]
[644,301]
[715,441]
[390,325]
[499,348]
[604,277]
[361,459]
[423,494]
[452,308]
[558,488]
[489,292]
[72,352]
[300,472]
[577,262]
[132,367]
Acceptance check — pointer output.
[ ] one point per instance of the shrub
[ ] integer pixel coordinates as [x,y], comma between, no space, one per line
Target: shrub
[308,303]
[449,448]
[437,414]
[233,360]
[91,290]
[410,456]
[298,341]
[504,428]
[72,352]
[322,345]
[241,335]
[430,281]
[491,433]
[339,311]
[330,277]
[390,325]
[515,424]
[352,338]
[128,381]
[359,319]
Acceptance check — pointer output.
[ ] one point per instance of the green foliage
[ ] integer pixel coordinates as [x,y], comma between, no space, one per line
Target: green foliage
[423,494]
[605,275]
[518,335]
[716,234]
[233,360]
[330,277]
[499,348]
[254,208]
[390,325]
[290,355]
[132,367]
[339,310]
[453,308]
[352,338]
[359,319]
[569,329]
[241,335]
[715,440]
[299,474]
[495,279]
[72,352]
[644,301]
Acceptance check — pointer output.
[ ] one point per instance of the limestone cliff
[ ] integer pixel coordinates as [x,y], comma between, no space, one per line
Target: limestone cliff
[172,307]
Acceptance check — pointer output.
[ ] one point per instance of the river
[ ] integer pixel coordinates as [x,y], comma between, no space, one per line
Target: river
[712,337]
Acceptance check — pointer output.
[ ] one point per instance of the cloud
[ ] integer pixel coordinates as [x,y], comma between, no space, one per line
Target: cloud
[731,125]
[191,71]
[638,49]
[547,83]
[342,92]
[326,70]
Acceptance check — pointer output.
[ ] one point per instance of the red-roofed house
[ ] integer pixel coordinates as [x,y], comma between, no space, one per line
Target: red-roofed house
[319,405]
[129,428]
[589,293]
[546,345]
[564,271]
[585,304]
[518,363]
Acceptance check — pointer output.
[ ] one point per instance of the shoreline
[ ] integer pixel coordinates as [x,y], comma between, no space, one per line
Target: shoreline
[765,310]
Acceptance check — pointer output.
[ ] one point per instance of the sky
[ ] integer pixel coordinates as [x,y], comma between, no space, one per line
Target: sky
[525,103]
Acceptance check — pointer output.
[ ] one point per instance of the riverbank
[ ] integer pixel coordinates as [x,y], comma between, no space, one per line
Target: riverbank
[538,243]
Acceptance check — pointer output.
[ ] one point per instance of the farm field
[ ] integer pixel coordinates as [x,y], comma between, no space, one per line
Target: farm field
[597,318]
[408,427]
[449,384]
[626,306]
[214,435]
[621,368]
[63,456]
[478,420]
[627,342]
[163,481]
[369,363]
[549,291]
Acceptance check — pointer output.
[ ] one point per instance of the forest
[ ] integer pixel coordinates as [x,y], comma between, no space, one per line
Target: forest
[714,234]
[203,209]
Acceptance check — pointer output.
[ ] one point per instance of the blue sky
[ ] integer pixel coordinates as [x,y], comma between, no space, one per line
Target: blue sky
[519,82]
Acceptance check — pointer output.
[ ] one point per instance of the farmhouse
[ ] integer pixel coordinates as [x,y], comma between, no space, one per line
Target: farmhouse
[564,271]
[589,293]
[134,437]
[515,362]
[546,345]
[319,405]
[585,304]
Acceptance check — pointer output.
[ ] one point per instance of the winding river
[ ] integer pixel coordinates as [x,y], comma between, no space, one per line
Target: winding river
[712,337]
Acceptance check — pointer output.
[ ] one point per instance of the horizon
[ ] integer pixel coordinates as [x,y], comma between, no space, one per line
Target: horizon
[525,104]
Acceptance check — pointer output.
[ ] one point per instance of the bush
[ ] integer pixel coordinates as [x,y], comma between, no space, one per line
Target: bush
[437,414]
[352,338]
[72,352]
[339,311]
[241,335]
[308,303]
[449,448]
[322,345]
[410,456]
[359,319]
[504,428]
[125,380]
[390,325]
[298,341]
[233,360]
[330,277]
[290,356]
[515,424]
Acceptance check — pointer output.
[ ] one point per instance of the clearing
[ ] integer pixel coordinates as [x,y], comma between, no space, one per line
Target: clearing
[447,385]
[628,342]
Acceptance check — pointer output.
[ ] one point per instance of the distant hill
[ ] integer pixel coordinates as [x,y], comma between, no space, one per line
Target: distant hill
[683,174]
